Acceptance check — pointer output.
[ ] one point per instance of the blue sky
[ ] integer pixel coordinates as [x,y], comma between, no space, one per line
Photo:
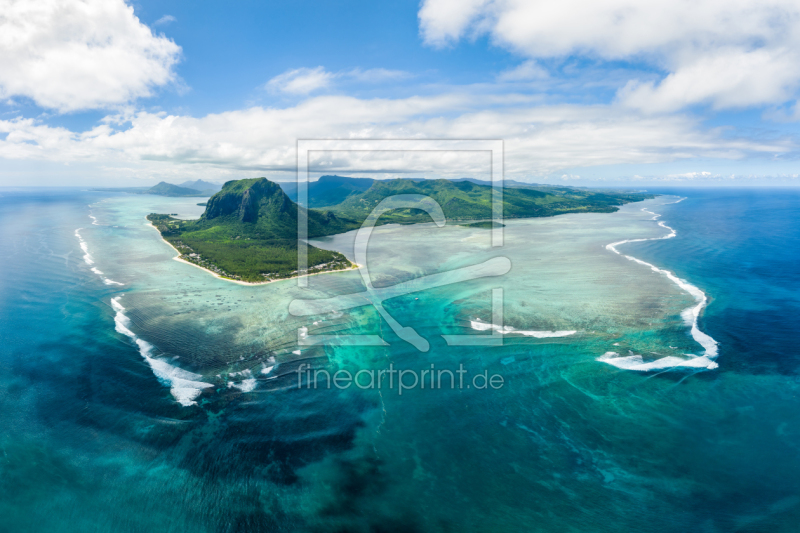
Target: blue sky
[609,92]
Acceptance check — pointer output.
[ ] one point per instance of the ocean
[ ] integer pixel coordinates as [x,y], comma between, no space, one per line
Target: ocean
[644,377]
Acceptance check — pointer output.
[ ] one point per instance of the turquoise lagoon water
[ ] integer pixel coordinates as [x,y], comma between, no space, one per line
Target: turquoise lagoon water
[138,393]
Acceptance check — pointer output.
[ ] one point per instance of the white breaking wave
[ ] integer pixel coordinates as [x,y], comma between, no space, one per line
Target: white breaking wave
[689,315]
[87,257]
[184,386]
[635,362]
[246,385]
[89,260]
[479,325]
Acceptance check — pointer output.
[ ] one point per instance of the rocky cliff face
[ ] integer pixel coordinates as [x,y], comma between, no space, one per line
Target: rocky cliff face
[248,200]
[268,212]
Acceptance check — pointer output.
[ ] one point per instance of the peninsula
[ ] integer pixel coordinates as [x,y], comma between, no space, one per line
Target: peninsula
[248,231]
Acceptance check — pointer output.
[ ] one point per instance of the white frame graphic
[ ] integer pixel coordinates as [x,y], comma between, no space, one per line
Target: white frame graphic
[489,268]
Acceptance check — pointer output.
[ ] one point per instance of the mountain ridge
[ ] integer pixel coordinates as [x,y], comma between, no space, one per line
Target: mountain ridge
[248,230]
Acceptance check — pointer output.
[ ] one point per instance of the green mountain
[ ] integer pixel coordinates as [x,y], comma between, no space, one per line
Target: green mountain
[329,190]
[249,229]
[263,203]
[168,189]
[466,200]
[249,232]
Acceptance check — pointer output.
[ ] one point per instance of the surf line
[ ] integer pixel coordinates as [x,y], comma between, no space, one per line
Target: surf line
[479,325]
[89,260]
[690,316]
[184,386]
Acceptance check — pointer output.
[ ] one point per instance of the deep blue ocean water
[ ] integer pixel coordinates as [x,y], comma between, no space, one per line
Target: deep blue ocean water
[743,247]
[90,440]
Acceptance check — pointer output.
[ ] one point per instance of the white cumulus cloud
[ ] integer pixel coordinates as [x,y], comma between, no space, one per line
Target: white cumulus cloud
[539,141]
[726,53]
[444,21]
[732,78]
[71,55]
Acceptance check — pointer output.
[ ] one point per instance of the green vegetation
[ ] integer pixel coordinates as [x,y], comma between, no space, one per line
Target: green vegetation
[329,190]
[249,232]
[483,224]
[168,189]
[465,200]
[249,229]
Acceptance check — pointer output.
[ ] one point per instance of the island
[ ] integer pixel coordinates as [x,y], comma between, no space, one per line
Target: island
[187,188]
[248,232]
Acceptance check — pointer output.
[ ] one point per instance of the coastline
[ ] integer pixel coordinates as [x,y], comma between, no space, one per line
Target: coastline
[240,282]
[469,223]
[690,315]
